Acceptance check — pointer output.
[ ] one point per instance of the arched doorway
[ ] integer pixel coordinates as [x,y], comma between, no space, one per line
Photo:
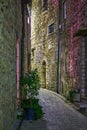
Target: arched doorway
[44,74]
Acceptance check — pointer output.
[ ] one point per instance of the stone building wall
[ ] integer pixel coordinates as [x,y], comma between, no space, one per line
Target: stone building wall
[44,46]
[73,46]
[65,23]
[10,25]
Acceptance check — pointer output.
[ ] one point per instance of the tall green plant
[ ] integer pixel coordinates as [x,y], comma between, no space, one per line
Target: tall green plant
[30,84]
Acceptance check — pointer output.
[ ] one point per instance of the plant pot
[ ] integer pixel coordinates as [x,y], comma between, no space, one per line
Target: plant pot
[28,113]
[77,97]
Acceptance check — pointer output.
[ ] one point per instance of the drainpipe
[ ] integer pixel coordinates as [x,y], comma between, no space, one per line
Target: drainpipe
[59,47]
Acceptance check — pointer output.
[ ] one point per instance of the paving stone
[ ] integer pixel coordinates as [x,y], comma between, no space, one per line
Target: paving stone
[58,115]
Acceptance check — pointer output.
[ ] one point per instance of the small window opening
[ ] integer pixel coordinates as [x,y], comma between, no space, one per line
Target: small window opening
[51,28]
[45,5]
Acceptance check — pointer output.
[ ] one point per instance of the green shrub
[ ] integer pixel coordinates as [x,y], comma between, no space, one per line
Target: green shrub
[30,85]
[70,95]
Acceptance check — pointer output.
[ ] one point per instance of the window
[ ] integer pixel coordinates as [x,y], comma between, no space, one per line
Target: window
[33,51]
[45,5]
[51,28]
[64,9]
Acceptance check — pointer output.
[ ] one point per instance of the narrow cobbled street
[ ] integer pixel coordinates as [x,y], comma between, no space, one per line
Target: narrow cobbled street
[58,115]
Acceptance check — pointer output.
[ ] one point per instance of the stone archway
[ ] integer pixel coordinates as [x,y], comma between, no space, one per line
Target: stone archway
[43,74]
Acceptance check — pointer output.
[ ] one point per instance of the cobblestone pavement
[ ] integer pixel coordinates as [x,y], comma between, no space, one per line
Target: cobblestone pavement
[59,115]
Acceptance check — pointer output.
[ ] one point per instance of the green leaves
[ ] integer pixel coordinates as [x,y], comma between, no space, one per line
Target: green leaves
[30,84]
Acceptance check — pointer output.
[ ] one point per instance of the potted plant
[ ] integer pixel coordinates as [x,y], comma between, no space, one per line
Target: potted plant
[77,95]
[73,95]
[30,85]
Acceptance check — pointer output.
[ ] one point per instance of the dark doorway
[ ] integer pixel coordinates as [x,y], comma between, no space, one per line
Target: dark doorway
[44,74]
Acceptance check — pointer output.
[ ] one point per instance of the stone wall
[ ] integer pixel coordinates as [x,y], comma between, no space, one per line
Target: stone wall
[10,24]
[43,45]
[72,60]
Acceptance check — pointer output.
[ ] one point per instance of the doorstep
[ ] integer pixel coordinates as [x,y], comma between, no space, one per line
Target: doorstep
[80,105]
[40,124]
[16,125]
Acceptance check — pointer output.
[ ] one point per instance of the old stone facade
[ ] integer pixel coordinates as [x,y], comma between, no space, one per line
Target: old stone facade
[44,41]
[10,28]
[58,44]
[73,33]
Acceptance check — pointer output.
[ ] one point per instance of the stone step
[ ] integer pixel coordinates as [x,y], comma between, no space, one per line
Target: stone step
[80,105]
[83,105]
[16,125]
[84,101]
[84,98]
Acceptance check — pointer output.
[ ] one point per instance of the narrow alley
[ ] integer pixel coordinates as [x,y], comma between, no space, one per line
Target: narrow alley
[58,115]
[43,44]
